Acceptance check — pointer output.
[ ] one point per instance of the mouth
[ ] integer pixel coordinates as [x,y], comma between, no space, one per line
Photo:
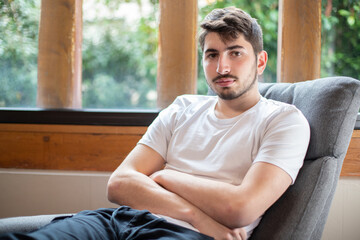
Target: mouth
[224,82]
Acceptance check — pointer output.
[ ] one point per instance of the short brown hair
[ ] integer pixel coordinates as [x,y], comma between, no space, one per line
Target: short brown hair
[229,23]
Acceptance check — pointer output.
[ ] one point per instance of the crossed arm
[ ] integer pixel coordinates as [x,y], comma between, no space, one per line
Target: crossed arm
[214,208]
[233,206]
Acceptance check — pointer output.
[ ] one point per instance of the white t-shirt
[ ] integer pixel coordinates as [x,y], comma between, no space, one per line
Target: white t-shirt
[193,140]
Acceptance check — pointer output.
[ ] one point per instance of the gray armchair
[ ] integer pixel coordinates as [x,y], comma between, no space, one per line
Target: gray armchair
[331,106]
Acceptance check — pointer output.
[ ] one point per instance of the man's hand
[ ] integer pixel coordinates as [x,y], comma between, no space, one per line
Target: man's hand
[162,177]
[208,226]
[239,233]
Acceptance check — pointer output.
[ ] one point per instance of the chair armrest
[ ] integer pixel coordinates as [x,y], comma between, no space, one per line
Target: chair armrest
[27,223]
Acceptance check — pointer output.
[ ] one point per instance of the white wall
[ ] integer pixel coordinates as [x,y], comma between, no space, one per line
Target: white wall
[344,216]
[26,192]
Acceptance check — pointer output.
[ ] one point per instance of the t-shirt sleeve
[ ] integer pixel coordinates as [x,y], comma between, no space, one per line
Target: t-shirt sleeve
[159,132]
[285,141]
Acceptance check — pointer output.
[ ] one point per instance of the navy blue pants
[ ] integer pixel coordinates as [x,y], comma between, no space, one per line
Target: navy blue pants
[109,223]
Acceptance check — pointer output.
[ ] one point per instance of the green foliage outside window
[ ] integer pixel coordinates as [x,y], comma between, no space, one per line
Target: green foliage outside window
[119,59]
[19,22]
[340,38]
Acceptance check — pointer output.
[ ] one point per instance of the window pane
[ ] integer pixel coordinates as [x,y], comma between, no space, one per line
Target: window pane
[19,24]
[340,37]
[119,54]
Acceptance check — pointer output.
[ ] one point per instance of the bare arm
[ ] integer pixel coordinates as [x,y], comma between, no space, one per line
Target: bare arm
[237,206]
[233,206]
[130,185]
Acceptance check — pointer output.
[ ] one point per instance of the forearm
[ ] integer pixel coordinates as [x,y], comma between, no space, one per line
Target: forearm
[140,192]
[230,205]
[131,185]
[212,197]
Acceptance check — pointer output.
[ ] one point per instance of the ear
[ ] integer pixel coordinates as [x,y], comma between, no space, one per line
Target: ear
[262,58]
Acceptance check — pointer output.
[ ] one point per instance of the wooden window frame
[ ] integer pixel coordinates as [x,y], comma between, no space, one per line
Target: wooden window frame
[98,117]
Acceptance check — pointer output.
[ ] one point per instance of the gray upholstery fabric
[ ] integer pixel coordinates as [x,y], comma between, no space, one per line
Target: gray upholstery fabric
[331,106]
[28,223]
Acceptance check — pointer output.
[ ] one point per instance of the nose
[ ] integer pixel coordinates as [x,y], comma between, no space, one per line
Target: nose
[223,66]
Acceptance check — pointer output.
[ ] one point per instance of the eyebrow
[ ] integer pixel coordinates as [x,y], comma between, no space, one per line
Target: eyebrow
[227,49]
[234,47]
[211,50]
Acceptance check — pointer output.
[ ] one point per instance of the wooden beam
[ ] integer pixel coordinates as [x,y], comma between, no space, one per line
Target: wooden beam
[299,40]
[59,59]
[177,58]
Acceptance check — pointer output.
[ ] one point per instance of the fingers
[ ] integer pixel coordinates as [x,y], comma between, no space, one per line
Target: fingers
[154,175]
[243,233]
[239,234]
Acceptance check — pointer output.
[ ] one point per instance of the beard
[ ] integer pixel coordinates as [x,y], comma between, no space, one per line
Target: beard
[228,93]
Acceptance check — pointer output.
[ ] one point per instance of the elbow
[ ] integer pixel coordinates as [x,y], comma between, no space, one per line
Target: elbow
[113,188]
[240,214]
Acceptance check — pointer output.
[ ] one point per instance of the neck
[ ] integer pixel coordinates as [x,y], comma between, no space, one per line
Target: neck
[232,108]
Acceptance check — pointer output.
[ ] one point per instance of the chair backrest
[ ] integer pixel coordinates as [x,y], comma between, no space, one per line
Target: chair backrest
[331,106]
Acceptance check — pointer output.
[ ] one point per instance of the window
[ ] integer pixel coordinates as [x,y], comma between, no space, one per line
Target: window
[19,25]
[340,38]
[120,49]
[119,54]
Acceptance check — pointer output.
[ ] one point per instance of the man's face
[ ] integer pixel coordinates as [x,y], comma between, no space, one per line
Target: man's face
[231,68]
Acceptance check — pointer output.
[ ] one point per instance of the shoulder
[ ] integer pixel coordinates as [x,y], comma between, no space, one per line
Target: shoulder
[187,105]
[285,137]
[273,106]
[280,115]
[190,103]
[274,109]
[189,99]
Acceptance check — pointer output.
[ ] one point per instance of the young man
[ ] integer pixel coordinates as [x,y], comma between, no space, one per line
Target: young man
[208,166]
[227,158]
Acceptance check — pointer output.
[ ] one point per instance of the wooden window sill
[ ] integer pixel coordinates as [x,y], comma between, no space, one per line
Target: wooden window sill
[92,148]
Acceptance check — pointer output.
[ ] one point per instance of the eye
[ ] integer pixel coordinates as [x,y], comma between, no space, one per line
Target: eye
[211,55]
[236,53]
